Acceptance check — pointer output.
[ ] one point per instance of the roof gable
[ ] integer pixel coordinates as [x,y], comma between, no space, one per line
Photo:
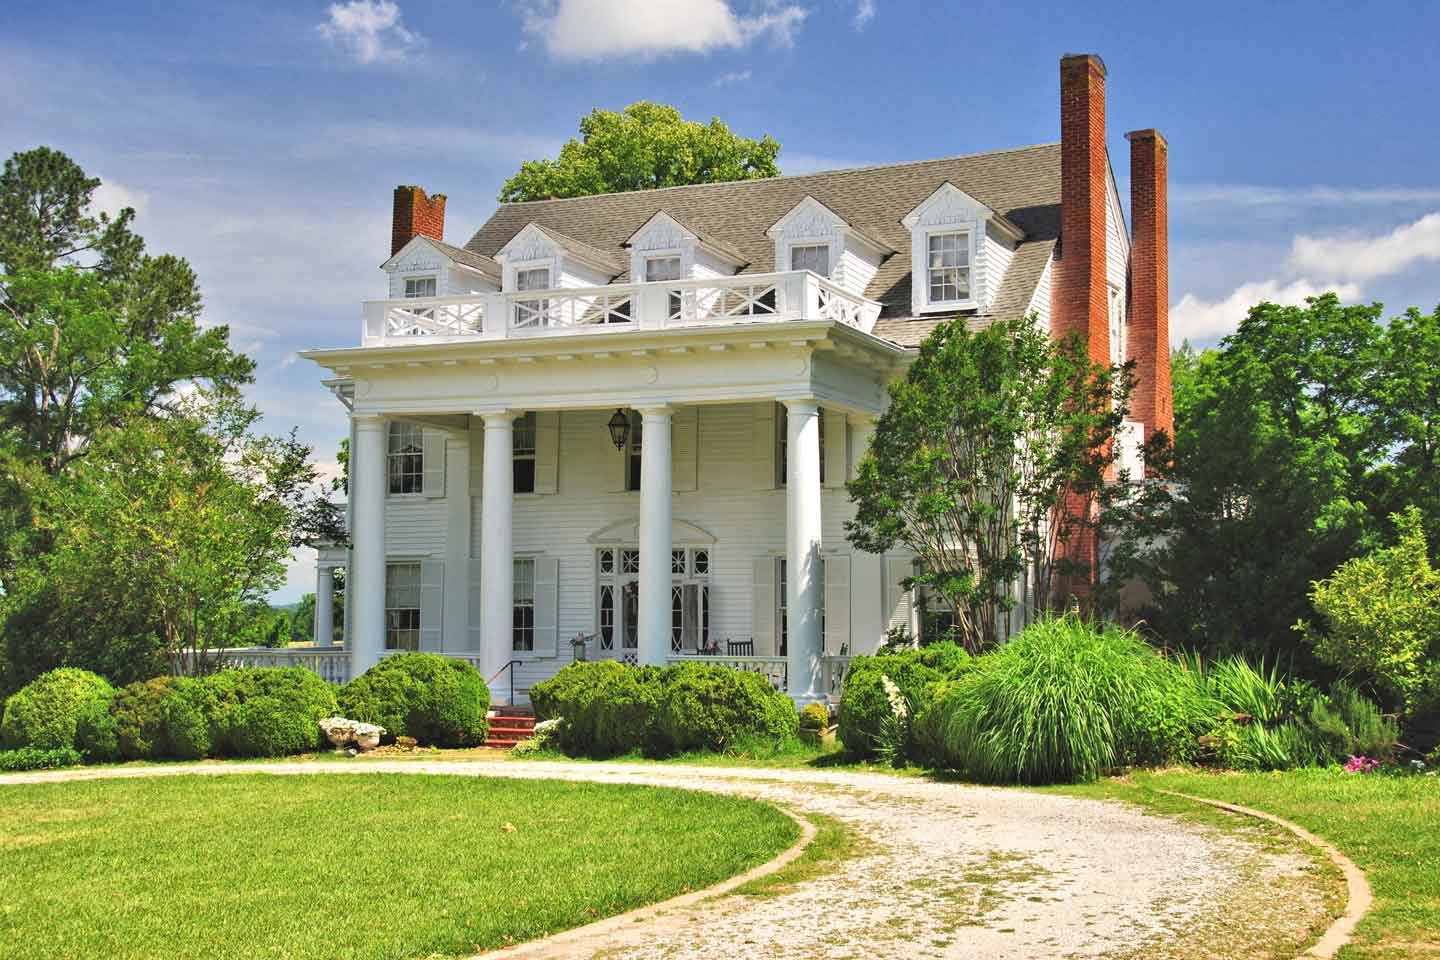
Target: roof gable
[664,232]
[537,242]
[419,244]
[949,204]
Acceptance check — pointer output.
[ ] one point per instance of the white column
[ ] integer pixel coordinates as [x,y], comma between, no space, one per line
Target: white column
[367,569]
[654,622]
[324,604]
[867,577]
[497,497]
[804,589]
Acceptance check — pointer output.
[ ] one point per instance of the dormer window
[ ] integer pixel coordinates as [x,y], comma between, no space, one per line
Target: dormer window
[419,287]
[814,257]
[948,267]
[663,268]
[536,279]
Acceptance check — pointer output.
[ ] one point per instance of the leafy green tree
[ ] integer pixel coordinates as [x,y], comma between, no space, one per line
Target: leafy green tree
[175,528]
[986,463]
[644,146]
[93,331]
[1381,618]
[1293,441]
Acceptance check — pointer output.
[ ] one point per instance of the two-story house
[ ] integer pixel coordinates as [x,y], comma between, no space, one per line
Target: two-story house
[630,417]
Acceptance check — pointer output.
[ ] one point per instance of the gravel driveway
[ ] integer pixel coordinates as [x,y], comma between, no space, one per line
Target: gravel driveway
[942,870]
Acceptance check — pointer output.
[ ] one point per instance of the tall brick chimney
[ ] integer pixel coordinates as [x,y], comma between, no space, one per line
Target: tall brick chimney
[416,215]
[1149,343]
[1080,295]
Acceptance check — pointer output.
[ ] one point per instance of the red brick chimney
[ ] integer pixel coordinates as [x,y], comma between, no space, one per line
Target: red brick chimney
[1149,343]
[1079,294]
[416,215]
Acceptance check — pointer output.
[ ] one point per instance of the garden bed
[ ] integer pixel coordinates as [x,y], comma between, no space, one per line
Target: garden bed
[359,866]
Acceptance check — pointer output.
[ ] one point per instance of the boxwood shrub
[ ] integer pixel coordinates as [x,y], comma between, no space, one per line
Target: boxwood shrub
[438,700]
[138,714]
[863,702]
[45,712]
[606,708]
[195,717]
[34,758]
[704,707]
[267,726]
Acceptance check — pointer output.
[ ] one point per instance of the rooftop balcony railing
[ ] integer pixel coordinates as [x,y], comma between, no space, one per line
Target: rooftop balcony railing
[570,311]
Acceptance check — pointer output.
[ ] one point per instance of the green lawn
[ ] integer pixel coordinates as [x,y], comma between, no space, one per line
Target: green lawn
[356,866]
[1390,827]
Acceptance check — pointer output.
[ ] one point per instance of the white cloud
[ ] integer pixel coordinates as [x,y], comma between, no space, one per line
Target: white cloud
[1261,197]
[111,197]
[864,13]
[373,31]
[730,79]
[1364,256]
[644,29]
[1199,320]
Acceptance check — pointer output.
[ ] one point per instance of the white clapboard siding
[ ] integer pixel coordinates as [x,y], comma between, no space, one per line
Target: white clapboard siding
[432,604]
[547,452]
[762,615]
[547,605]
[433,449]
[476,583]
[837,448]
[837,604]
[684,448]
[762,450]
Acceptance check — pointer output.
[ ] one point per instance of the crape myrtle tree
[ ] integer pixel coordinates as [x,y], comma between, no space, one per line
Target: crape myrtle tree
[1295,441]
[987,461]
[180,525]
[644,146]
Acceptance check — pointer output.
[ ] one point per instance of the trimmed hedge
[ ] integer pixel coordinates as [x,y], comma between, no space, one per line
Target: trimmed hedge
[439,701]
[138,718]
[607,708]
[34,758]
[45,712]
[267,726]
[863,702]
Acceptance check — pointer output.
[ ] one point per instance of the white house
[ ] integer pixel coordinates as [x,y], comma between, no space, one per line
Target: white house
[629,418]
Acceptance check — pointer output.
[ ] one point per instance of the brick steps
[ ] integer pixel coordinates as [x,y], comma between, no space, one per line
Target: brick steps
[509,726]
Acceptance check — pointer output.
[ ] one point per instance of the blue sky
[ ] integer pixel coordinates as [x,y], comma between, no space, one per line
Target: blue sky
[261,141]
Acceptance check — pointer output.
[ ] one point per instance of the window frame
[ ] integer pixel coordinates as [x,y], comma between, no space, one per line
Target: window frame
[634,449]
[666,257]
[538,308]
[782,444]
[431,279]
[825,245]
[927,236]
[523,458]
[394,612]
[522,607]
[397,480]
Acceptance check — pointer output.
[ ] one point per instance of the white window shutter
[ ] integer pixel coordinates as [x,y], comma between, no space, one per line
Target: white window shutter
[762,615]
[684,448]
[897,598]
[547,452]
[837,452]
[476,585]
[763,454]
[432,604]
[837,604]
[547,605]
[433,449]
[477,456]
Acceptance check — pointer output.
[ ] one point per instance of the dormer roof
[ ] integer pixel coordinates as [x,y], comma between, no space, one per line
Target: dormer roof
[810,217]
[590,255]
[459,256]
[950,204]
[664,222]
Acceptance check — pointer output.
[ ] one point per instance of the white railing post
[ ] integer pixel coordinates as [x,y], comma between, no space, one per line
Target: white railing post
[810,309]
[372,324]
[652,307]
[496,322]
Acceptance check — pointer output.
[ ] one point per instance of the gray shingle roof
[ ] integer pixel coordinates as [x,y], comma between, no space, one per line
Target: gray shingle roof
[469,258]
[1022,185]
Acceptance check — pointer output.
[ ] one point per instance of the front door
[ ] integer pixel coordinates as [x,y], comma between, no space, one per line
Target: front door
[618,604]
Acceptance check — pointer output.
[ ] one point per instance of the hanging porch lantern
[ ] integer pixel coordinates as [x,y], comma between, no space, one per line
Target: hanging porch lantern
[619,429]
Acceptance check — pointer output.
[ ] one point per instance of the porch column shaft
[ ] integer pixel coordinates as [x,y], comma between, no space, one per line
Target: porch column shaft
[804,591]
[367,481]
[654,619]
[325,604]
[867,578]
[497,551]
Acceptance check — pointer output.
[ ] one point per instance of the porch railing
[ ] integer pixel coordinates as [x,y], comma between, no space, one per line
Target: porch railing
[744,298]
[331,663]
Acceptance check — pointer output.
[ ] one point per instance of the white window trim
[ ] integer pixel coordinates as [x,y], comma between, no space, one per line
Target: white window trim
[419,608]
[406,281]
[389,456]
[834,249]
[512,271]
[686,258]
[920,279]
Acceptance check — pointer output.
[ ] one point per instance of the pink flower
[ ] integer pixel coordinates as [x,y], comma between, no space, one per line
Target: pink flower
[1361,764]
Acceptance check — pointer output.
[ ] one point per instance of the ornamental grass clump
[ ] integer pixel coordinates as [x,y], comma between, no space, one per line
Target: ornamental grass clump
[1063,702]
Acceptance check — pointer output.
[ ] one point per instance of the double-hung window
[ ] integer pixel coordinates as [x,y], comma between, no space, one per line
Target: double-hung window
[782,443]
[522,447]
[419,287]
[632,451]
[662,268]
[813,257]
[405,458]
[402,606]
[947,264]
[532,313]
[522,633]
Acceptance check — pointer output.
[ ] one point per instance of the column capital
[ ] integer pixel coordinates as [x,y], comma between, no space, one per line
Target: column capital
[864,421]
[801,405]
[496,418]
[368,420]
[655,411]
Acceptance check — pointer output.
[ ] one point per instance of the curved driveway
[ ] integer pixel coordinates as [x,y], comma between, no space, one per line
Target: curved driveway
[940,870]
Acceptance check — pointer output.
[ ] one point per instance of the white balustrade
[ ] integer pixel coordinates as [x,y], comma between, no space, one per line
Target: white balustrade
[744,298]
[331,663]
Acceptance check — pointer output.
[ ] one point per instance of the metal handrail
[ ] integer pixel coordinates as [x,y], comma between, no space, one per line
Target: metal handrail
[511,667]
